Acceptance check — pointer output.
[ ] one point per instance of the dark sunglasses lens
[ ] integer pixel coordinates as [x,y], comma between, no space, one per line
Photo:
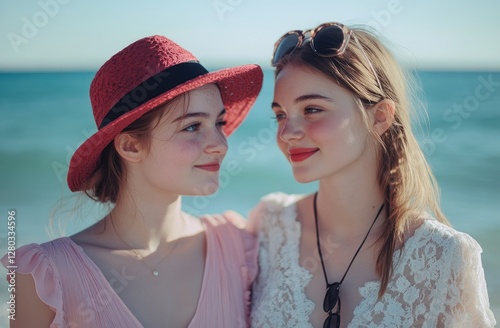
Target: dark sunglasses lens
[331,297]
[333,321]
[328,40]
[286,46]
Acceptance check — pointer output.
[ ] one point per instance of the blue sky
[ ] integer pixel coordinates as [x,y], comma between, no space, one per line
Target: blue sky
[77,34]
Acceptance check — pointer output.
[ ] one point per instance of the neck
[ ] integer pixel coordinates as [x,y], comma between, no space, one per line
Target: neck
[347,207]
[145,223]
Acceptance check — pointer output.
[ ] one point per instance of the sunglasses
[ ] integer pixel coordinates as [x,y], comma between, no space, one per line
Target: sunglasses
[326,40]
[331,299]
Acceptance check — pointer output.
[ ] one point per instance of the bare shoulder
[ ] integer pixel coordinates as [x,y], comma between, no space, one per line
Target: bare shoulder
[93,236]
[30,310]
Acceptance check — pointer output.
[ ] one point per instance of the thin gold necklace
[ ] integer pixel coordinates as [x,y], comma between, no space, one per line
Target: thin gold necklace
[154,270]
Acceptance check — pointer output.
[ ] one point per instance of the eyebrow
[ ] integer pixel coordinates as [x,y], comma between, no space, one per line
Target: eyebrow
[312,96]
[197,114]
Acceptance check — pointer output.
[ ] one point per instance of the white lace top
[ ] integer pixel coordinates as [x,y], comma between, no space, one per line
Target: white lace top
[437,282]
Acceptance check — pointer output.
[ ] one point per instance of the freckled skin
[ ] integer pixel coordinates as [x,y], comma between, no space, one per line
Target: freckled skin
[332,123]
[178,147]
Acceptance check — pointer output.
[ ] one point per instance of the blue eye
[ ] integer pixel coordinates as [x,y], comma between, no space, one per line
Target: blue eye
[311,110]
[279,117]
[192,127]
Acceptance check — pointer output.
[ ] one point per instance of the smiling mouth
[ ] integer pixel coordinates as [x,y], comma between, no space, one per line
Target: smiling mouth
[212,167]
[301,154]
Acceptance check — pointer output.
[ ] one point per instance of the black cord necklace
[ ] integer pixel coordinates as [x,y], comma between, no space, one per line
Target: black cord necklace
[333,290]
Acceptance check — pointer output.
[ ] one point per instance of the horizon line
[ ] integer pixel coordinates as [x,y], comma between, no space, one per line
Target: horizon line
[428,68]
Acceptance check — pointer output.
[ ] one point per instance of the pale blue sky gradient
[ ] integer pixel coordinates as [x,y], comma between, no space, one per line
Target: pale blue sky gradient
[77,34]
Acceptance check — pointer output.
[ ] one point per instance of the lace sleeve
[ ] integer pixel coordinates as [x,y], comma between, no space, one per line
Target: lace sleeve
[468,304]
[455,293]
[438,281]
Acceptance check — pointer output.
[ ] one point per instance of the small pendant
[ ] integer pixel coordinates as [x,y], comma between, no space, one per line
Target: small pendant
[155,273]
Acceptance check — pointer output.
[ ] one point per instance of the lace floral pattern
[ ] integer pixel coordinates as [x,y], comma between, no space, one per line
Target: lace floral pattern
[438,280]
[278,294]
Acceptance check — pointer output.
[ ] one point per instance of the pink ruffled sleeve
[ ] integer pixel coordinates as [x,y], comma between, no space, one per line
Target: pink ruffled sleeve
[32,259]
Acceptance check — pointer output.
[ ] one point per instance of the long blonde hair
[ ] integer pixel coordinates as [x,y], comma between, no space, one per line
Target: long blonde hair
[404,175]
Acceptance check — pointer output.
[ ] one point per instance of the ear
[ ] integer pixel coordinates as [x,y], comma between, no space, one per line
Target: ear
[383,115]
[128,147]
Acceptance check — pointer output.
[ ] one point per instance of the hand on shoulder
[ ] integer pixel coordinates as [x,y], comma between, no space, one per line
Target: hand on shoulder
[236,219]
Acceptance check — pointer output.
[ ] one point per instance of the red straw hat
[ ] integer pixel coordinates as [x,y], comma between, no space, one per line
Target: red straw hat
[141,77]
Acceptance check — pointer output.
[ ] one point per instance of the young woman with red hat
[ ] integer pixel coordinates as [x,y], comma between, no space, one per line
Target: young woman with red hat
[370,248]
[162,123]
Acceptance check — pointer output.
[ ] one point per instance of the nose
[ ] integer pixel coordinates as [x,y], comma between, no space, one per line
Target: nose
[291,130]
[216,142]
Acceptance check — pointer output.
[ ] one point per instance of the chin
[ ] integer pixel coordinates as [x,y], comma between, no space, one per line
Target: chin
[303,178]
[208,188]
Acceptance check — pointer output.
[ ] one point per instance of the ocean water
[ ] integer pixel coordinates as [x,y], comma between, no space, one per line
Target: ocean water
[45,116]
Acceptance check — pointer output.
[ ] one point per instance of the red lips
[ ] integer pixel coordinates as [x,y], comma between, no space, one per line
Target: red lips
[301,154]
[212,167]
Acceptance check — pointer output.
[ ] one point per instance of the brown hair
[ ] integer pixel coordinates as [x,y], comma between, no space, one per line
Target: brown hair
[404,175]
[105,183]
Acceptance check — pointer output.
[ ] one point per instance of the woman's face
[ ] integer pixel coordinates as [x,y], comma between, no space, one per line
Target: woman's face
[188,146]
[320,128]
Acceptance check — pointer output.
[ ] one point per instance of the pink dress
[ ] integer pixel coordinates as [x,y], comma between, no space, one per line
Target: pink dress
[75,288]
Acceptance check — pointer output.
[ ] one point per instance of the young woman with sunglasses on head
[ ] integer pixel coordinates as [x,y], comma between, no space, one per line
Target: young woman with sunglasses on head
[371,248]
[162,123]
